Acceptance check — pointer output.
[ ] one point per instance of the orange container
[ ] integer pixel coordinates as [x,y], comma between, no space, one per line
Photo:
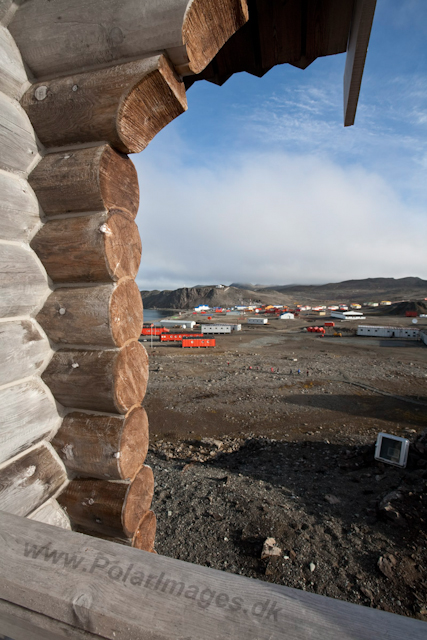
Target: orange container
[197,342]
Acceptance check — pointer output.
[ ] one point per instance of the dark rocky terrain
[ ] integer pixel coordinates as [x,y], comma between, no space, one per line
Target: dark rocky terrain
[245,448]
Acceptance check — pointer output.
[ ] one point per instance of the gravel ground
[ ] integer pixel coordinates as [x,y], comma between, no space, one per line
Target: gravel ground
[244,450]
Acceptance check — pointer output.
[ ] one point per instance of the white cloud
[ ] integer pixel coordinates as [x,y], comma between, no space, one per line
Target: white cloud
[273,217]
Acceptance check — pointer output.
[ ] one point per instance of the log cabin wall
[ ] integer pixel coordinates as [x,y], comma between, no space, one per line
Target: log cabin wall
[95,93]
[82,84]
[31,472]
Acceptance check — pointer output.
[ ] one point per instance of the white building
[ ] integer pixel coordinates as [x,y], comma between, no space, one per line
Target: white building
[183,324]
[423,337]
[234,327]
[287,316]
[388,332]
[348,315]
[215,328]
[202,307]
[257,321]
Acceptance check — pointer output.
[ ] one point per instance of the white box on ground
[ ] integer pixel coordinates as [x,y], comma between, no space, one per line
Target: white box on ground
[392,449]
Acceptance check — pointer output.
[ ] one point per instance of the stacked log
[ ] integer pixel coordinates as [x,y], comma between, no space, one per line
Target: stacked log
[104,447]
[91,250]
[31,472]
[110,508]
[94,98]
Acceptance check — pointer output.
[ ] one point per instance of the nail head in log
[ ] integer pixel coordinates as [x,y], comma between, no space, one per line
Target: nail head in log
[101,247]
[145,533]
[112,447]
[125,105]
[112,508]
[112,380]
[107,315]
[91,179]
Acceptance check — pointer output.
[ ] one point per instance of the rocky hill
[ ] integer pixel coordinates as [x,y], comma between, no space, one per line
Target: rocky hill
[374,289]
[190,297]
[367,289]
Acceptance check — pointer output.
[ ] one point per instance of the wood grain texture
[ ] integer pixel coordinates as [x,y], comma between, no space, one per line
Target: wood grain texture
[327,27]
[105,447]
[19,209]
[20,623]
[12,72]
[28,415]
[17,140]
[363,16]
[112,380]
[92,179]
[29,481]
[208,24]
[280,31]
[101,247]
[51,513]
[145,533]
[23,350]
[107,315]
[5,7]
[125,105]
[112,508]
[70,35]
[154,600]
[23,284]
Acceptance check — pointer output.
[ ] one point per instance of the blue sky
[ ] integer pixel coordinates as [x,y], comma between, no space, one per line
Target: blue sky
[260,182]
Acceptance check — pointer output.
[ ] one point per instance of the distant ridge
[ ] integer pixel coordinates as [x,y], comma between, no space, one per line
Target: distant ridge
[369,289]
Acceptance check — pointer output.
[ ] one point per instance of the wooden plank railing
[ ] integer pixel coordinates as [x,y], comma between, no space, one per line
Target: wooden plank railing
[60,584]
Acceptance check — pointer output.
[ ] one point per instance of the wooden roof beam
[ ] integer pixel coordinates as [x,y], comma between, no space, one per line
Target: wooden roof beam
[65,36]
[357,48]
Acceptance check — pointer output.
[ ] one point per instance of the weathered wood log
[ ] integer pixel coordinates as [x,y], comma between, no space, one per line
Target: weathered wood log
[8,9]
[97,446]
[23,283]
[29,481]
[12,72]
[207,28]
[143,538]
[125,105]
[112,508]
[5,6]
[101,247]
[69,36]
[51,513]
[92,179]
[17,140]
[145,533]
[28,415]
[19,209]
[112,380]
[23,348]
[107,315]
[124,594]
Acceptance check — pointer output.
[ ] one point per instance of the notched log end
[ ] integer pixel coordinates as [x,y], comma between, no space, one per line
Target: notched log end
[208,24]
[118,181]
[146,533]
[138,500]
[131,376]
[126,314]
[157,99]
[134,443]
